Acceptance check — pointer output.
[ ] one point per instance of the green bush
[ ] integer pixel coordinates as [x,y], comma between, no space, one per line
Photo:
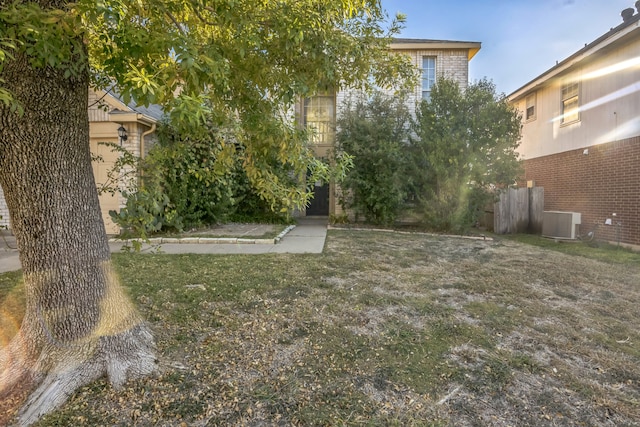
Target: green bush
[146,212]
[442,166]
[182,183]
[375,132]
[462,153]
[192,182]
[195,178]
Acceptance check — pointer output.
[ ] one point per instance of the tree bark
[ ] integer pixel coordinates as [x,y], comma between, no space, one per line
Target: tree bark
[78,324]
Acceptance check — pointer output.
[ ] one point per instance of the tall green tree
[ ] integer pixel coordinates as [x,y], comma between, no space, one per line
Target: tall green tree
[464,150]
[246,59]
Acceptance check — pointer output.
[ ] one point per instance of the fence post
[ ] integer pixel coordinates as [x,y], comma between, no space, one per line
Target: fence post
[500,213]
[518,209]
[536,209]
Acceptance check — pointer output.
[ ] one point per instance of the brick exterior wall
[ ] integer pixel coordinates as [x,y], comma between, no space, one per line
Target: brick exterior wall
[4,211]
[450,63]
[597,184]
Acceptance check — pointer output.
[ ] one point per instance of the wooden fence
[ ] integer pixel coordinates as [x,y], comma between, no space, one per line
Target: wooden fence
[519,210]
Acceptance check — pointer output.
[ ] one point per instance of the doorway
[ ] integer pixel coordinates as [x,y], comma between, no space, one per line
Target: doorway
[319,205]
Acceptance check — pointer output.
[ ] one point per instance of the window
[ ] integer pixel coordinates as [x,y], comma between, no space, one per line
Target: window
[570,102]
[530,112]
[319,118]
[428,76]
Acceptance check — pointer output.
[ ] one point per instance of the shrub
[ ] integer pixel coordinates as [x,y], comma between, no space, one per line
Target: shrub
[375,131]
[462,152]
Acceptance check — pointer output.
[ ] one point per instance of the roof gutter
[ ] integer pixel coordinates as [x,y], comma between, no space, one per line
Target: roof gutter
[132,117]
[472,47]
[607,39]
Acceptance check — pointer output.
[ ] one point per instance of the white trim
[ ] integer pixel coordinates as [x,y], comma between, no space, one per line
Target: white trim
[577,57]
[472,47]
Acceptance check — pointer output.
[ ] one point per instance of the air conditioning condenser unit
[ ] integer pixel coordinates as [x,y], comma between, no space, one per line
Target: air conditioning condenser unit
[560,225]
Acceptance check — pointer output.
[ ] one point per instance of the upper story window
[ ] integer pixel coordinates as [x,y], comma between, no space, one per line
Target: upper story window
[428,75]
[570,102]
[530,111]
[320,118]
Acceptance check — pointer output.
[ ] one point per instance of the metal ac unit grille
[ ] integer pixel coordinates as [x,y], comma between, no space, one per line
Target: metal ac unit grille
[560,225]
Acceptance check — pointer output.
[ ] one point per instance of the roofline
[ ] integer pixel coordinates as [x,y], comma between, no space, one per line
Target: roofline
[610,37]
[425,44]
[131,116]
[124,112]
[108,97]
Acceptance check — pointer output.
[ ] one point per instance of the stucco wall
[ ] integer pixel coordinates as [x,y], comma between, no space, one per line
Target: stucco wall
[597,184]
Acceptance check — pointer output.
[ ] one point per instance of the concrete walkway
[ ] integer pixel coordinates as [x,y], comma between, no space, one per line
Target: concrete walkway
[9,260]
[307,237]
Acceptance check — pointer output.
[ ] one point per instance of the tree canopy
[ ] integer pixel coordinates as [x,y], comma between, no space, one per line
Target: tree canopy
[440,166]
[464,150]
[228,64]
[214,63]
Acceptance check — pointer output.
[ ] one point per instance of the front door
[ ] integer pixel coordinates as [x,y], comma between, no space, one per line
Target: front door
[320,203]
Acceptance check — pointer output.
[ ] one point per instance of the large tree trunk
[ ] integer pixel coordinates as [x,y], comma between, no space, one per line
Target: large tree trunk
[78,324]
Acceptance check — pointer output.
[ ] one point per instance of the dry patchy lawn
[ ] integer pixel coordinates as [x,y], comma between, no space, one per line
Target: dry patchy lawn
[382,329]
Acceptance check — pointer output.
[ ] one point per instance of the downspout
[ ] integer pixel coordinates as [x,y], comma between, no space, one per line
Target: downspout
[150,131]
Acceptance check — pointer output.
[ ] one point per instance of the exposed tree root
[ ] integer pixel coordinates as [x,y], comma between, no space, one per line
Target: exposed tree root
[57,374]
[60,348]
[128,356]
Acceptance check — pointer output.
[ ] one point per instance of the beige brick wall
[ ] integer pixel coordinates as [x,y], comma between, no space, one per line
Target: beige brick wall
[4,211]
[450,63]
[97,112]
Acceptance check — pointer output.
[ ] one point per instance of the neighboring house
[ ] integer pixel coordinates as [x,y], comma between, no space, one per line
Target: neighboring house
[107,113]
[434,58]
[581,133]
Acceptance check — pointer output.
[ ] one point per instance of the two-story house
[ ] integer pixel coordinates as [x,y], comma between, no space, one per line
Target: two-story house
[581,133]
[107,114]
[434,59]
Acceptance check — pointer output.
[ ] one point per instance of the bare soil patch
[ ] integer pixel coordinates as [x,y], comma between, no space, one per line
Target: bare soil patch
[239,230]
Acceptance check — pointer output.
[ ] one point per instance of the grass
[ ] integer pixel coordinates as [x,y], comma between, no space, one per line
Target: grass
[381,329]
[12,305]
[599,250]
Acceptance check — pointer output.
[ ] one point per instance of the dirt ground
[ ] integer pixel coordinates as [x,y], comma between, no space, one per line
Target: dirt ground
[234,230]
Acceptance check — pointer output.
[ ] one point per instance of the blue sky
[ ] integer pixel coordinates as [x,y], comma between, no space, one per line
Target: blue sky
[520,38]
